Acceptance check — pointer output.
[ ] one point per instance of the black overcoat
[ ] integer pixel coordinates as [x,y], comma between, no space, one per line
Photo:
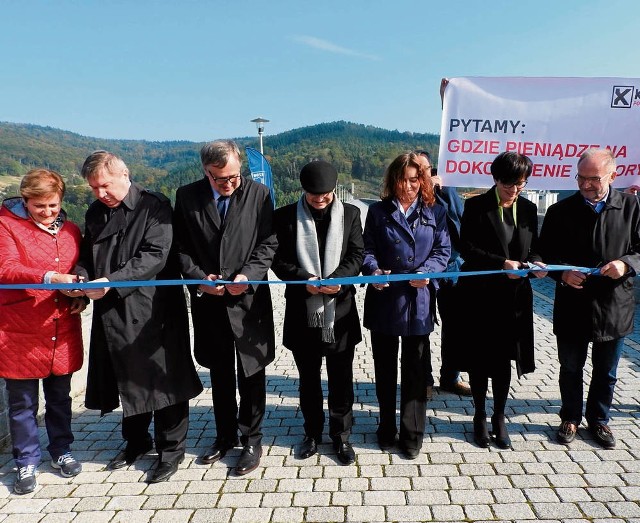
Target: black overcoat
[574,234]
[143,331]
[296,334]
[496,311]
[244,244]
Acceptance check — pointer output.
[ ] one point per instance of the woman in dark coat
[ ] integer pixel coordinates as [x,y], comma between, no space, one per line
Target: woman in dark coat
[499,231]
[320,237]
[405,233]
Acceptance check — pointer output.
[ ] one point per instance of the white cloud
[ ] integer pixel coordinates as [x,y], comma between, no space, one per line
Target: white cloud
[324,45]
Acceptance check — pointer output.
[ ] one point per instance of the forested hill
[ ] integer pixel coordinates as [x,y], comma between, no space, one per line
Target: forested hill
[360,153]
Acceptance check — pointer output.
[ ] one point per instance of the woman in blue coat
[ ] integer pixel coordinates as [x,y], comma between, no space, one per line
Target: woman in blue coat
[405,233]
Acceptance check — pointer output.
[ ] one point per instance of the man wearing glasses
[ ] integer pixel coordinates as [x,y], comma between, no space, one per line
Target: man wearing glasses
[597,227]
[223,231]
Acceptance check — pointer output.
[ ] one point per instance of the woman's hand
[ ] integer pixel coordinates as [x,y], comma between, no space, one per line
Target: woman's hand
[614,269]
[68,278]
[419,284]
[380,286]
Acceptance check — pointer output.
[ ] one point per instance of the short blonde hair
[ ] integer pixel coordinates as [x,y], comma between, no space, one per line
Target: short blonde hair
[38,183]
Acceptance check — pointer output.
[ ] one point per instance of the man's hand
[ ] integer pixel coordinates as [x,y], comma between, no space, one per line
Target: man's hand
[539,274]
[614,269]
[96,294]
[436,181]
[633,189]
[217,290]
[512,265]
[77,305]
[236,288]
[313,289]
[573,279]
[329,289]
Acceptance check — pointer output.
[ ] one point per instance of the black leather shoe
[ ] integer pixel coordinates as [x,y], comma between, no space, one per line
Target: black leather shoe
[480,432]
[249,459]
[500,433]
[165,470]
[345,451]
[409,453]
[387,443]
[130,454]
[603,435]
[218,451]
[309,447]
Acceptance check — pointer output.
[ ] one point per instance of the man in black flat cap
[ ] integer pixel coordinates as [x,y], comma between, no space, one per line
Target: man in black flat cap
[319,237]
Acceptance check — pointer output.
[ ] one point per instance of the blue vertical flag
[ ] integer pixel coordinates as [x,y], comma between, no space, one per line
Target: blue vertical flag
[261,170]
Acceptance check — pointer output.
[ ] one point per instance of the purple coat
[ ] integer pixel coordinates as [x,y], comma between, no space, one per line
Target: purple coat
[391,244]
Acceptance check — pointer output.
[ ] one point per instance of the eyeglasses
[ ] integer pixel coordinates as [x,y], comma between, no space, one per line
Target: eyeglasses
[594,180]
[519,185]
[222,181]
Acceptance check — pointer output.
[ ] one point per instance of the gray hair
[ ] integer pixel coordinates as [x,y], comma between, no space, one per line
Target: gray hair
[217,153]
[99,160]
[605,155]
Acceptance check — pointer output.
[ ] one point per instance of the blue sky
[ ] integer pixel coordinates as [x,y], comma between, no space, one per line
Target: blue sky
[196,70]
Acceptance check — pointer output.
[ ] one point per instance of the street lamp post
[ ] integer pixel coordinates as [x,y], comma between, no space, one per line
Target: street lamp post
[260,125]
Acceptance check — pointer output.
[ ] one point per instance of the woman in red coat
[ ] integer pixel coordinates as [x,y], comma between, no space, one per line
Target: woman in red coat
[40,330]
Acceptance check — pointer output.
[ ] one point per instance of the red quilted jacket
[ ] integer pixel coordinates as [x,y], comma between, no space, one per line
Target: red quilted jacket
[38,334]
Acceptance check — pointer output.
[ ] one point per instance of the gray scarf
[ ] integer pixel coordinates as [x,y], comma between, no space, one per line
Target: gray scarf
[321,308]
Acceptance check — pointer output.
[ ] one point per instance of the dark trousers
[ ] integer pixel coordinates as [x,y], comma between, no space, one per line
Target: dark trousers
[413,372]
[229,418]
[23,422]
[340,396]
[604,358]
[449,309]
[500,373]
[170,430]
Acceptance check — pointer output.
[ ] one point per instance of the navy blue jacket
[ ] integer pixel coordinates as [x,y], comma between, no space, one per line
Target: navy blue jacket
[391,244]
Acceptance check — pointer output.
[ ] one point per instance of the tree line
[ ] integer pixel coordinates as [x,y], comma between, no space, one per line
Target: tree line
[360,154]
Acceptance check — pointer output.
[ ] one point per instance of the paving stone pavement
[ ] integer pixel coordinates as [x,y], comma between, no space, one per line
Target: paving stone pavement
[452,480]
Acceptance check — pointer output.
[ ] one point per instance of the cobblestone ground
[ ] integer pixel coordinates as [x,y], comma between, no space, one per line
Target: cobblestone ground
[452,480]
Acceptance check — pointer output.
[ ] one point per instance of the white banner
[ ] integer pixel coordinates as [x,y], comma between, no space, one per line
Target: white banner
[551,120]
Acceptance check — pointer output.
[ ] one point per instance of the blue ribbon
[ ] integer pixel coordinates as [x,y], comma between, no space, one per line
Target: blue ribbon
[351,280]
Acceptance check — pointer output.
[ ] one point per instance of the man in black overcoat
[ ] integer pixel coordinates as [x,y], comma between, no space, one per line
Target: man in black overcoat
[223,227]
[320,237]
[598,227]
[140,353]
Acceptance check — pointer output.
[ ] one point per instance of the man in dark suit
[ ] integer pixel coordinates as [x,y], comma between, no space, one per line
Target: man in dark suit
[140,354]
[223,229]
[447,298]
[320,237]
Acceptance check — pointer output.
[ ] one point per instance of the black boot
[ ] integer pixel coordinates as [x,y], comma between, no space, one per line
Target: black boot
[499,432]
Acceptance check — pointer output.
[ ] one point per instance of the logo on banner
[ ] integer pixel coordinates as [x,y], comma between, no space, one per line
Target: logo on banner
[624,97]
